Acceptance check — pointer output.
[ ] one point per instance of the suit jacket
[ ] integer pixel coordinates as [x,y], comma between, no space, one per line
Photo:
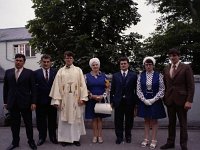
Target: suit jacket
[44,87]
[179,89]
[20,93]
[130,88]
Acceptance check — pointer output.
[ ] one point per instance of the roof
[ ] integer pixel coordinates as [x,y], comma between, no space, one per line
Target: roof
[14,34]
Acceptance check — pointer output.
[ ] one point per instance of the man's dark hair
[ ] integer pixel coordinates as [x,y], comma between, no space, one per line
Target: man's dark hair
[20,56]
[46,56]
[69,53]
[174,51]
[124,59]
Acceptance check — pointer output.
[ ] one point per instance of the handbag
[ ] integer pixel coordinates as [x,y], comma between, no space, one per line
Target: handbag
[103,108]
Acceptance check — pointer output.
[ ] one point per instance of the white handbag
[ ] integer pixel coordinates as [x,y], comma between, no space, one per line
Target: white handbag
[103,108]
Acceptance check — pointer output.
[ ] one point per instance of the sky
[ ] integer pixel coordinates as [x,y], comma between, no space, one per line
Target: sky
[16,13]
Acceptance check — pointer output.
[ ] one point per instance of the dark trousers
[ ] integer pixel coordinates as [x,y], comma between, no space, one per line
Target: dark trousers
[123,112]
[46,117]
[173,111]
[15,115]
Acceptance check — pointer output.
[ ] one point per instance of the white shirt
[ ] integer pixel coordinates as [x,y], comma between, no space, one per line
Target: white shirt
[20,71]
[124,72]
[44,72]
[171,69]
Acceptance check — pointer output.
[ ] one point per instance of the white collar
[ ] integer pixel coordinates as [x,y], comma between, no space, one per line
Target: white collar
[124,72]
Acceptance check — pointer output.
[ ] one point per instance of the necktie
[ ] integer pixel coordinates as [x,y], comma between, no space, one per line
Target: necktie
[17,74]
[46,75]
[173,70]
[124,75]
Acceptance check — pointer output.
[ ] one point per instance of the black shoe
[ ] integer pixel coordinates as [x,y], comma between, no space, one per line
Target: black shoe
[40,142]
[54,140]
[184,148]
[128,140]
[118,141]
[167,146]
[66,144]
[12,147]
[32,145]
[77,143]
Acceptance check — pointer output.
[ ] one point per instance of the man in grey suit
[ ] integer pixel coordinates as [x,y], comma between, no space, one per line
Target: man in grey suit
[179,82]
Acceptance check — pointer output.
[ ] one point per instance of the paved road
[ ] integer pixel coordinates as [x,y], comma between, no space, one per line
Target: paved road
[109,141]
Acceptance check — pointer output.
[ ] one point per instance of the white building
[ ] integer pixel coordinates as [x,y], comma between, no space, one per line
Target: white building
[16,40]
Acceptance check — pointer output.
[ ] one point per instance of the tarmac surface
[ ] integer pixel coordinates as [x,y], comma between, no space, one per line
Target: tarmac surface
[108,144]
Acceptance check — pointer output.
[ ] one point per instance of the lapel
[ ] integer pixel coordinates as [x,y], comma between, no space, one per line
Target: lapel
[178,70]
[127,76]
[120,76]
[13,74]
[42,74]
[50,74]
[168,71]
[21,75]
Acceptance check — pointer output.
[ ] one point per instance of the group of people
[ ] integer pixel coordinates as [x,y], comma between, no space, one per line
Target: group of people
[71,94]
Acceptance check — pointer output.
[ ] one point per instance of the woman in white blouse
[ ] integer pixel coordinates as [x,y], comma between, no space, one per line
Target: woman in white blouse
[150,90]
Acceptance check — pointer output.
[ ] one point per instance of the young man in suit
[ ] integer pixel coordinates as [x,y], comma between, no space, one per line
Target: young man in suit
[46,114]
[179,82]
[20,99]
[123,99]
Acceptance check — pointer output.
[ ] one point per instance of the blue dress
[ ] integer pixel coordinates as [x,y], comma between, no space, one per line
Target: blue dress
[96,85]
[156,110]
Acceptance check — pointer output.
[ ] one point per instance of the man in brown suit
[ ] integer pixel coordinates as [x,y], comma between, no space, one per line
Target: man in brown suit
[179,82]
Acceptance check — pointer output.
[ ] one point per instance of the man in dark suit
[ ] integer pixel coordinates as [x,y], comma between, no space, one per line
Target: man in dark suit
[20,99]
[179,82]
[46,114]
[123,99]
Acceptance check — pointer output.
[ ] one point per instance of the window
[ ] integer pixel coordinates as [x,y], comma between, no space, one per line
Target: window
[25,49]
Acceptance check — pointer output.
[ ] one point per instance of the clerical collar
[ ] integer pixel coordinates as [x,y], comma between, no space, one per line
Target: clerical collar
[67,67]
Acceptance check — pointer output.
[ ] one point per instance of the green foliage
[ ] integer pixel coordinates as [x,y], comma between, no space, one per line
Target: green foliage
[89,28]
[178,26]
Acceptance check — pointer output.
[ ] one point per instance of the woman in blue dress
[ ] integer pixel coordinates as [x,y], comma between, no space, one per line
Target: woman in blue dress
[150,90]
[96,84]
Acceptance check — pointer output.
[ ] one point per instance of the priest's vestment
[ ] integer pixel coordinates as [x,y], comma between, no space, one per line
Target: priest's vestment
[69,87]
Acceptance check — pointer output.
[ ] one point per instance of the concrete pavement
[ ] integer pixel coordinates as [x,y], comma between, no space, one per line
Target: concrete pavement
[109,140]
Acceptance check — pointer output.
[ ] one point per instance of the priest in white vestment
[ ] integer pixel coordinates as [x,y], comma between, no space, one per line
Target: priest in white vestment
[69,93]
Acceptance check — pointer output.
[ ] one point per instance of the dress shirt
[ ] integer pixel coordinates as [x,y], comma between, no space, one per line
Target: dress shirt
[20,71]
[172,67]
[44,72]
[122,72]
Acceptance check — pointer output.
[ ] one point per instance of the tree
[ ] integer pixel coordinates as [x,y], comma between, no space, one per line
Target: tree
[178,26]
[89,28]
